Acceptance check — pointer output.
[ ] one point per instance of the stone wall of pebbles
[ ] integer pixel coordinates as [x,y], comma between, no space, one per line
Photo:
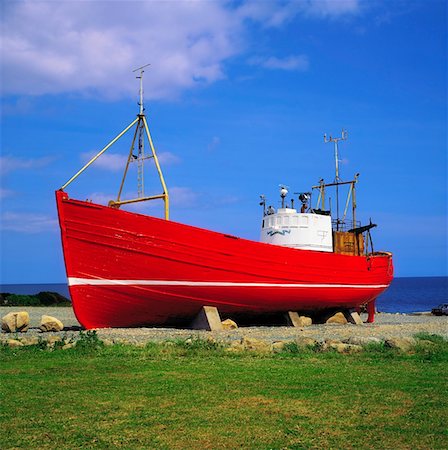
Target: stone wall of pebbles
[44,324]
[245,344]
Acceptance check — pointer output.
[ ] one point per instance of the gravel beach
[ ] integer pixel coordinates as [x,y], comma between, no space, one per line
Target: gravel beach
[386,326]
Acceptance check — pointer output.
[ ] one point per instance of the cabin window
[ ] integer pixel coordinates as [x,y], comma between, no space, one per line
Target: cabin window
[285,220]
[295,221]
[262,224]
[304,221]
[279,220]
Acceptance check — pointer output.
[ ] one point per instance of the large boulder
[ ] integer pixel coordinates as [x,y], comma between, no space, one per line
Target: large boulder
[15,322]
[337,318]
[229,324]
[49,323]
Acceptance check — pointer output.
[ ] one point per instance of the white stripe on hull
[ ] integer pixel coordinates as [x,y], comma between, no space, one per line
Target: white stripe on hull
[104,282]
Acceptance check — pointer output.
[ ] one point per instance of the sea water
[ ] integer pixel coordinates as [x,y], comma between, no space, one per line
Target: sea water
[405,295]
[413,294]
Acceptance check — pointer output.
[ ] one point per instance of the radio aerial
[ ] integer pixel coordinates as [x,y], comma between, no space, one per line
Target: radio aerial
[140,77]
[337,180]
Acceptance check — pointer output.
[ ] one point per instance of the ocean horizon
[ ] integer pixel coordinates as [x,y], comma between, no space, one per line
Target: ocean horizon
[405,294]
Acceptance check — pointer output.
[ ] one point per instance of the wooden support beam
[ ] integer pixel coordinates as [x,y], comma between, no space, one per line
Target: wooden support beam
[297,321]
[352,316]
[293,319]
[207,319]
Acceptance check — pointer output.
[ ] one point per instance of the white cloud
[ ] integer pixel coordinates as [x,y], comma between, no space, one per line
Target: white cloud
[108,161]
[269,14]
[183,197]
[277,13]
[91,47]
[168,158]
[27,222]
[332,8]
[298,62]
[11,163]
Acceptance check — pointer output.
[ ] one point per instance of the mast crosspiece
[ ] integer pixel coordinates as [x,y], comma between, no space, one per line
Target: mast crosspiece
[141,128]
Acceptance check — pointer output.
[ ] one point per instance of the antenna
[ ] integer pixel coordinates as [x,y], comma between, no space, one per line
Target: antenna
[263,203]
[337,180]
[141,137]
[142,109]
[343,137]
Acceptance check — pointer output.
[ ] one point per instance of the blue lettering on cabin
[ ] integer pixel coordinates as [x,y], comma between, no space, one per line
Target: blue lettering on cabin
[283,232]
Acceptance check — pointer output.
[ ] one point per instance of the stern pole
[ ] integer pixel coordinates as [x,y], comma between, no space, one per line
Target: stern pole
[371,311]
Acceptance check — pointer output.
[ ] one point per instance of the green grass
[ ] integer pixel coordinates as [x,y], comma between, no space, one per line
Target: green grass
[194,395]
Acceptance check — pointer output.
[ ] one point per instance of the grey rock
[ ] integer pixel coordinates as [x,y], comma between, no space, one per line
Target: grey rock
[363,340]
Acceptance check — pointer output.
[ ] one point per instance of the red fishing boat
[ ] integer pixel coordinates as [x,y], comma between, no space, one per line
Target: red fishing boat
[126,269]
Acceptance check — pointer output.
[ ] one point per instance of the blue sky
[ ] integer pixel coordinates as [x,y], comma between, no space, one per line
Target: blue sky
[238,97]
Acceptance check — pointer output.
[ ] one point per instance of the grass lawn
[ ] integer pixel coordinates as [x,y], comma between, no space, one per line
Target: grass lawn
[199,396]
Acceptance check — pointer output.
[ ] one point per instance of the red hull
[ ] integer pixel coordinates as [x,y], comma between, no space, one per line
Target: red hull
[126,269]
